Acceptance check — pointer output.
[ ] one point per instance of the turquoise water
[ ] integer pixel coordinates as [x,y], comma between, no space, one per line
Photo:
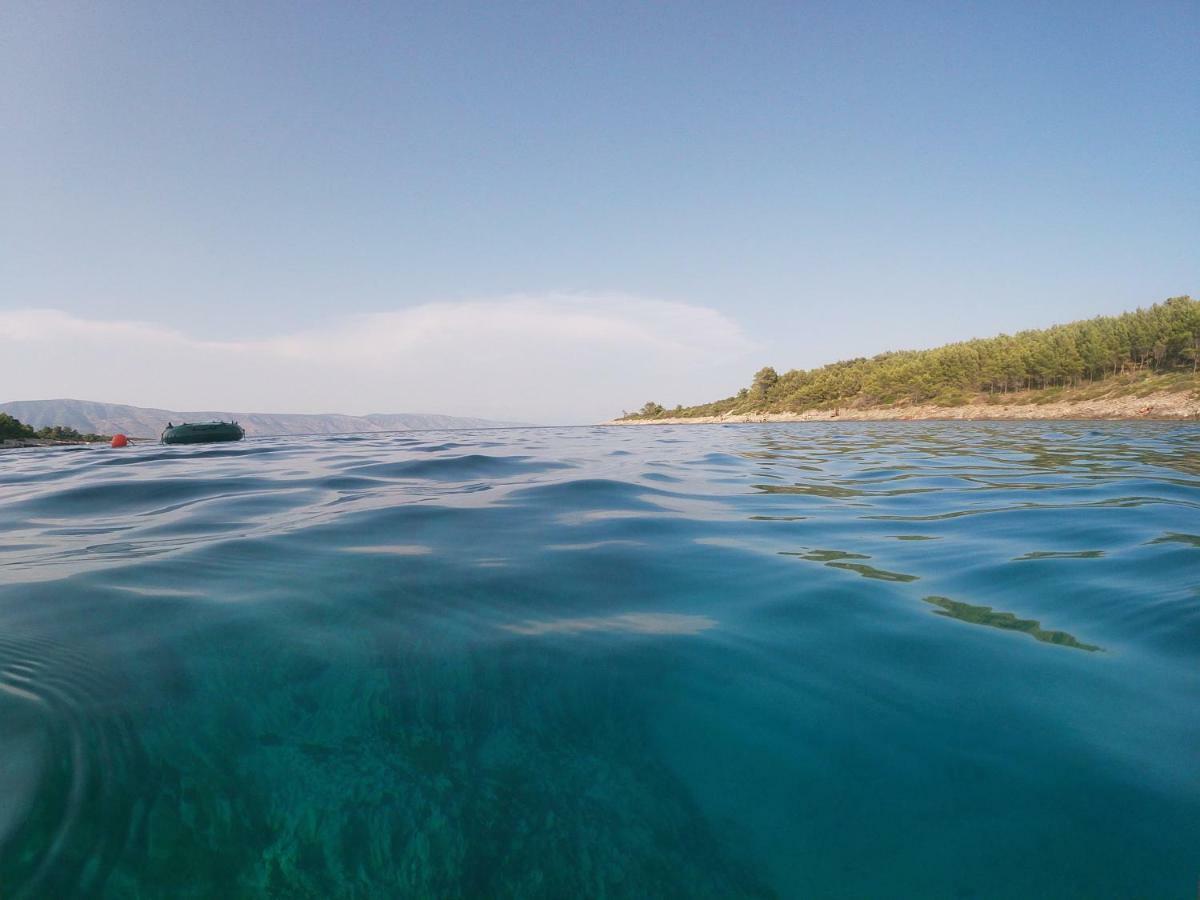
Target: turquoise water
[825,660]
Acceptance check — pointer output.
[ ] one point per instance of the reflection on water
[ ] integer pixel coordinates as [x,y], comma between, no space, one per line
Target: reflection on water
[393,549]
[871,572]
[1192,540]
[1061,554]
[618,662]
[985,615]
[826,555]
[837,559]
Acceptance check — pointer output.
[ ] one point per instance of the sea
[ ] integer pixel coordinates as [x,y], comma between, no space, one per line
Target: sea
[845,660]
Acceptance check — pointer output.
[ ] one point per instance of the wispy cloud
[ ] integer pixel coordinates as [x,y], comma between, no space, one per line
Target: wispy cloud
[549,358]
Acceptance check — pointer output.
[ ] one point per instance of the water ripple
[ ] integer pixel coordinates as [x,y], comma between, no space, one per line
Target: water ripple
[70,803]
[826,659]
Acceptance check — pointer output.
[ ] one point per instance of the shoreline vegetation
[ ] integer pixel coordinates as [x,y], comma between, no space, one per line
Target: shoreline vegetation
[15,433]
[1139,365]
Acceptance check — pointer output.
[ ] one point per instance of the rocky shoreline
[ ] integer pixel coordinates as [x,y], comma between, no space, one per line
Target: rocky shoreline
[1165,405]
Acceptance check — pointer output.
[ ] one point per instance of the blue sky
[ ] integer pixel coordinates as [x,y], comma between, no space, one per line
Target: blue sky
[779,183]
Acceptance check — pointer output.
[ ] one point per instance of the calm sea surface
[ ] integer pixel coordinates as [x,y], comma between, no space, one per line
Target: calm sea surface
[826,660]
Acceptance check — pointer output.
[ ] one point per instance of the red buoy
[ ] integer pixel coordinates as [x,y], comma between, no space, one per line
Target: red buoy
[119,440]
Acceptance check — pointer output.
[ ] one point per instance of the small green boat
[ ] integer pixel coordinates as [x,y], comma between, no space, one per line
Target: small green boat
[202,432]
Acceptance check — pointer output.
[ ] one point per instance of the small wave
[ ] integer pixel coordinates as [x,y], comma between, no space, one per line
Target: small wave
[136,495]
[460,468]
[392,549]
[629,623]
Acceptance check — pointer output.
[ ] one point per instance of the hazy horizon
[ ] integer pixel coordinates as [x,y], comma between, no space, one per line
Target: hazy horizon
[551,215]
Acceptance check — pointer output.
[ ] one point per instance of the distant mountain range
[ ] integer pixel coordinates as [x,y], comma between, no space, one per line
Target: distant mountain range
[136,421]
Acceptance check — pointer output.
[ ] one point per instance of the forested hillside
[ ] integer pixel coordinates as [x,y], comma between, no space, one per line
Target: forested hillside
[12,429]
[1162,339]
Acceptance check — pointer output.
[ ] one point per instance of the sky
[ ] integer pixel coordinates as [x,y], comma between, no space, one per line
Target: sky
[555,212]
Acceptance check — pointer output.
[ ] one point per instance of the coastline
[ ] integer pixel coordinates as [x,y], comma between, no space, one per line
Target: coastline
[1160,405]
[16,443]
